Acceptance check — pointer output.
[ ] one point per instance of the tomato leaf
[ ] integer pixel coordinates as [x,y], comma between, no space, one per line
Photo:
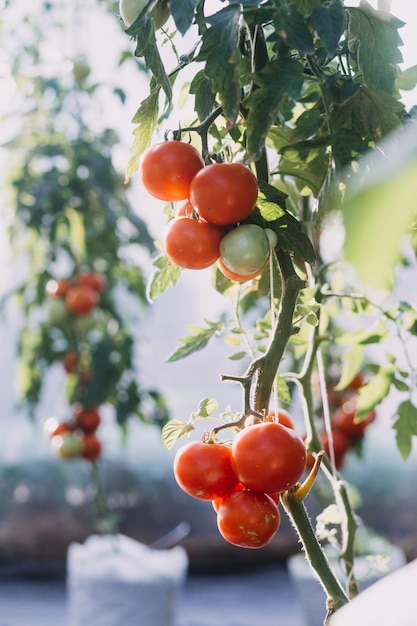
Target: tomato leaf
[405,427]
[328,23]
[146,118]
[174,430]
[164,275]
[220,51]
[206,407]
[374,39]
[371,394]
[202,87]
[183,13]
[197,341]
[290,25]
[280,78]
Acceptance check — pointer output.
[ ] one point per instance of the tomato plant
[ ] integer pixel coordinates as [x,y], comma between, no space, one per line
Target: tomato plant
[248,519]
[204,470]
[224,193]
[167,170]
[192,243]
[268,457]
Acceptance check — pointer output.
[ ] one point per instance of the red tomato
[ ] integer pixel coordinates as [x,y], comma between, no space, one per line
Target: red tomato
[63,428]
[268,457]
[167,169]
[248,519]
[192,243]
[344,420]
[81,299]
[224,193]
[87,419]
[57,288]
[284,418]
[71,360]
[341,445]
[204,470]
[90,447]
[95,280]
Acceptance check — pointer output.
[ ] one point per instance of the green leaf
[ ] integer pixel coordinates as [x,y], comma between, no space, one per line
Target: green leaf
[206,407]
[291,27]
[328,23]
[76,234]
[352,363]
[373,37]
[376,390]
[173,431]
[220,51]
[376,333]
[407,79]
[202,87]
[197,341]
[237,356]
[146,119]
[142,30]
[405,427]
[280,78]
[164,275]
[183,13]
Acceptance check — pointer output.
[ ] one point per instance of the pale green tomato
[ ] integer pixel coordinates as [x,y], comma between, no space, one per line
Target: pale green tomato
[130,9]
[161,14]
[85,323]
[80,69]
[272,237]
[245,249]
[58,314]
[67,446]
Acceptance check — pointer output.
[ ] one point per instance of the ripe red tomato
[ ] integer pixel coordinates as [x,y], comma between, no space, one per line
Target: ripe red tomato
[344,420]
[70,361]
[204,470]
[192,243]
[185,208]
[224,193]
[245,249]
[248,519]
[63,428]
[87,419]
[90,447]
[81,299]
[268,457]
[95,280]
[283,418]
[167,169]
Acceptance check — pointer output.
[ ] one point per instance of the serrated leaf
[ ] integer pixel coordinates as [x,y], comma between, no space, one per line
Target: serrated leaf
[405,427]
[279,78]
[373,37]
[163,276]
[206,407]
[146,118]
[290,25]
[372,394]
[220,51]
[183,13]
[202,87]
[374,334]
[195,342]
[352,363]
[142,30]
[174,430]
[328,24]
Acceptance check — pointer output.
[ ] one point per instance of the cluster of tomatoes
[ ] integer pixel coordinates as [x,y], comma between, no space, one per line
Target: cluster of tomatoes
[347,433]
[77,296]
[76,437]
[244,479]
[214,201]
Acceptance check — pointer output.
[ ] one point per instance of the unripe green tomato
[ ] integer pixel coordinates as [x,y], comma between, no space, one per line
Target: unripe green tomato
[161,14]
[67,446]
[130,10]
[80,69]
[58,314]
[245,249]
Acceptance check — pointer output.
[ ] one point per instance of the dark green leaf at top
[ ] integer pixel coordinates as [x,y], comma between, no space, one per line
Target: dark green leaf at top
[220,51]
[328,24]
[291,27]
[182,12]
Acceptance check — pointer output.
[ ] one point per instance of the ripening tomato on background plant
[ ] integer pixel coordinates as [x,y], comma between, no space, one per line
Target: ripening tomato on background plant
[248,519]
[95,280]
[268,457]
[204,470]
[224,193]
[81,299]
[167,169]
[283,418]
[87,418]
[192,243]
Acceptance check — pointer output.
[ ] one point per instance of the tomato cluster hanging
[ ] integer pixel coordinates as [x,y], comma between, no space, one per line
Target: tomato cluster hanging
[215,199]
